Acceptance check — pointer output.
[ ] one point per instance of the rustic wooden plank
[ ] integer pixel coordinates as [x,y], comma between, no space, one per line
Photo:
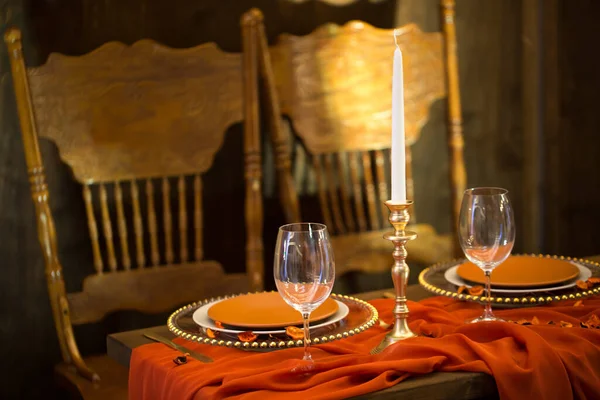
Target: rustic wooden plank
[438,386]
[552,127]
[571,140]
[119,345]
[532,124]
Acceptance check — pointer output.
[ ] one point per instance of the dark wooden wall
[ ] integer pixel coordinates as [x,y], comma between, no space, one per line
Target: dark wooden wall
[491,73]
[489,43]
[571,141]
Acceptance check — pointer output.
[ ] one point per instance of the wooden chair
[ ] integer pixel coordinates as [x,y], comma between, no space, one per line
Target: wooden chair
[335,86]
[139,125]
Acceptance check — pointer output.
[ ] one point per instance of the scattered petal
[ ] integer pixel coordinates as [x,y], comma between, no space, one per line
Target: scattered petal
[181,359]
[565,324]
[211,334]
[247,336]
[582,285]
[461,289]
[476,290]
[535,321]
[593,321]
[578,303]
[219,324]
[294,332]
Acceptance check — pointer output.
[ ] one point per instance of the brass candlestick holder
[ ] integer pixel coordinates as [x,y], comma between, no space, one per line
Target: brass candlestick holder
[399,217]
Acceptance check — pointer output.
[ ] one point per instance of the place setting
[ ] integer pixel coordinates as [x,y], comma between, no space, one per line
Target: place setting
[303,307]
[490,274]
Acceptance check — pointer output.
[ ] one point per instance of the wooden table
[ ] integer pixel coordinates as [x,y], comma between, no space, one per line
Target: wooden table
[437,385]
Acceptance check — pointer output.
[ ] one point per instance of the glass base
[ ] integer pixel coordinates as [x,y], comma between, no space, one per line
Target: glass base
[304,366]
[485,318]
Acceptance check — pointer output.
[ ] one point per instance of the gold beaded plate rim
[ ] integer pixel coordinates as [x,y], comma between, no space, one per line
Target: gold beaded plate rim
[513,301]
[268,345]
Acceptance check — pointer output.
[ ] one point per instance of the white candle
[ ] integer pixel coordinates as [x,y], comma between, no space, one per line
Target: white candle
[398,149]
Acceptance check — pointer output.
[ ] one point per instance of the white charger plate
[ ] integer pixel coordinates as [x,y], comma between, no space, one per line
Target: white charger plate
[584,273]
[200,317]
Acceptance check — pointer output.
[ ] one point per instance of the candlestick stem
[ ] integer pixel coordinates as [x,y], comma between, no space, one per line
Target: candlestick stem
[398,217]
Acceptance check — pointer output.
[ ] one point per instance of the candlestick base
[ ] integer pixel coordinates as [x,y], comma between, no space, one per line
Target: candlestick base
[398,217]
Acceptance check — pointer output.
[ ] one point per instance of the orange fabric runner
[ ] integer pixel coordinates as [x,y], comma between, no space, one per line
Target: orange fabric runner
[533,362]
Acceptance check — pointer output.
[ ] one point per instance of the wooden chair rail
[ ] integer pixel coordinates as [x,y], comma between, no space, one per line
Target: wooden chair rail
[151,290]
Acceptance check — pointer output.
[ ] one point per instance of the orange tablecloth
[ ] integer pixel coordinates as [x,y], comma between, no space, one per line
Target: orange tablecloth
[528,362]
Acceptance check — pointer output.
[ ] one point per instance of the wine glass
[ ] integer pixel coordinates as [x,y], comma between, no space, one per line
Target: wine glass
[304,270]
[486,230]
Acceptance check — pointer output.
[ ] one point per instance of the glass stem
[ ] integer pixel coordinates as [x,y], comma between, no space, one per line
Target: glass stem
[488,294]
[305,317]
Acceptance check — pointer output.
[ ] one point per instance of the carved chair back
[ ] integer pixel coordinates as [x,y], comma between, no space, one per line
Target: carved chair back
[139,125]
[335,85]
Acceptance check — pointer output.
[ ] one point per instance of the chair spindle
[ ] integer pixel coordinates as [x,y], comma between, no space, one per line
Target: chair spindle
[137,225]
[382,185]
[333,194]
[152,228]
[357,191]
[370,189]
[122,227]
[341,165]
[107,227]
[322,192]
[182,220]
[167,220]
[93,227]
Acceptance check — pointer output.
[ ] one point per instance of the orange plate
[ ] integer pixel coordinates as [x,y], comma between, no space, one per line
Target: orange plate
[522,271]
[264,310]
